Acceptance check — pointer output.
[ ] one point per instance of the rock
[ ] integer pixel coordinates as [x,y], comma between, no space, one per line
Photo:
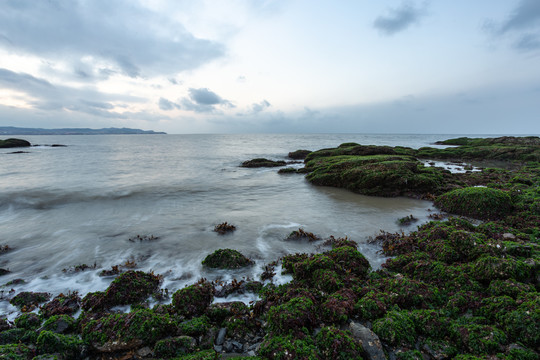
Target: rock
[226,259]
[508,236]
[218,348]
[144,352]
[4,272]
[262,162]
[220,339]
[117,345]
[12,143]
[369,340]
[299,154]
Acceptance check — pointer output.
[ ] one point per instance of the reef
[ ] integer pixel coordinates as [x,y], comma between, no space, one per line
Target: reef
[467,287]
[14,143]
[262,162]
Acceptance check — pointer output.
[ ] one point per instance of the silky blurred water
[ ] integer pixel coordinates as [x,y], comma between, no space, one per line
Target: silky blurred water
[65,206]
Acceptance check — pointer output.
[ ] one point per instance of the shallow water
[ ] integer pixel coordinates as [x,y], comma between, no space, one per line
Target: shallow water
[81,204]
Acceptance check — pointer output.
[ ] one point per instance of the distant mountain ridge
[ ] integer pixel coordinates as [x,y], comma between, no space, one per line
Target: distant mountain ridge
[11,130]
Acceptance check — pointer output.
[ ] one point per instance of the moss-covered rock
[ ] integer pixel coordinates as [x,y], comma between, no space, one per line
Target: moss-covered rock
[174,347]
[338,344]
[226,259]
[131,287]
[15,352]
[262,162]
[26,299]
[115,332]
[62,304]
[28,321]
[193,300]
[11,143]
[396,328]
[297,313]
[299,154]
[477,202]
[69,347]
[16,336]
[60,324]
[288,347]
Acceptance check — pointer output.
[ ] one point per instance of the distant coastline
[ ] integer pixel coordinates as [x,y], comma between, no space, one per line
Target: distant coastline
[11,130]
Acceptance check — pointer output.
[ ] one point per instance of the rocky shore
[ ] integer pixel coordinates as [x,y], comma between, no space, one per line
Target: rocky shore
[464,286]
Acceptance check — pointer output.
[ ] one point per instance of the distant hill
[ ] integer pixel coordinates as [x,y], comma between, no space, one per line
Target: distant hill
[10,130]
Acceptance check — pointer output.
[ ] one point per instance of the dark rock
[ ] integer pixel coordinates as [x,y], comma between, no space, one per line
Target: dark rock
[61,304]
[369,340]
[4,272]
[220,339]
[299,154]
[228,346]
[218,348]
[12,143]
[19,152]
[262,162]
[28,299]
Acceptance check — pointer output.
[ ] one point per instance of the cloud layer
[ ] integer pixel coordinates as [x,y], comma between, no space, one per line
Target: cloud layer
[102,37]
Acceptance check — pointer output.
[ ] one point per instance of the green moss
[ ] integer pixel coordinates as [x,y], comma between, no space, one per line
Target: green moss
[144,325]
[128,288]
[60,324]
[15,352]
[488,268]
[396,328]
[288,347]
[294,314]
[338,344]
[226,259]
[523,324]
[28,321]
[29,299]
[338,306]
[327,280]
[409,355]
[478,339]
[194,299]
[194,327]
[477,202]
[69,347]
[173,347]
[15,336]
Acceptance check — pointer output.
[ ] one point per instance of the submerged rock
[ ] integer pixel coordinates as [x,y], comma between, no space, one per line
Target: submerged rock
[299,154]
[262,162]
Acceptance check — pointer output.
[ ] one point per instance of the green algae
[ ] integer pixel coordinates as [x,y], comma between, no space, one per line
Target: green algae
[477,202]
[226,259]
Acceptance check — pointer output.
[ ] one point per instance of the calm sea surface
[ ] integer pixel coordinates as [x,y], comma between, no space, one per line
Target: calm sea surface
[81,204]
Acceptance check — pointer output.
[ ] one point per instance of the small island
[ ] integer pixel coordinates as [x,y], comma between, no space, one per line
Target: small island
[11,130]
[464,286]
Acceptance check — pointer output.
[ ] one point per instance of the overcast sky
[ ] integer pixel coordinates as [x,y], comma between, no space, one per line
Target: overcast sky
[182,66]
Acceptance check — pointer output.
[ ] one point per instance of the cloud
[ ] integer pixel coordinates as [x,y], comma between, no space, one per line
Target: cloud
[399,19]
[42,95]
[258,107]
[167,105]
[204,100]
[112,36]
[522,26]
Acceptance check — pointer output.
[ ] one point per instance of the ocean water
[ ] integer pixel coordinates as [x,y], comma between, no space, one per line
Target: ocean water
[86,203]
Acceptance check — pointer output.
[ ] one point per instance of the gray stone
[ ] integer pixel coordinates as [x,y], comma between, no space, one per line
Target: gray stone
[369,341]
[144,352]
[218,348]
[220,339]
[228,346]
[508,236]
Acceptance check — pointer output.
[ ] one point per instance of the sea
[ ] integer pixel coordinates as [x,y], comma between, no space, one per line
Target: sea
[151,202]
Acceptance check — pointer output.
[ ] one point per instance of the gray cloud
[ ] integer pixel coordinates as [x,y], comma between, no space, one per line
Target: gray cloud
[399,19]
[204,96]
[258,107]
[524,16]
[46,96]
[167,105]
[522,26]
[204,100]
[132,40]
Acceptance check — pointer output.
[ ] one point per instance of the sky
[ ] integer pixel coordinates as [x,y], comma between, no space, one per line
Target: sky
[272,66]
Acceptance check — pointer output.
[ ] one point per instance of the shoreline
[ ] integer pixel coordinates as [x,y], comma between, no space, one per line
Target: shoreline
[451,288]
